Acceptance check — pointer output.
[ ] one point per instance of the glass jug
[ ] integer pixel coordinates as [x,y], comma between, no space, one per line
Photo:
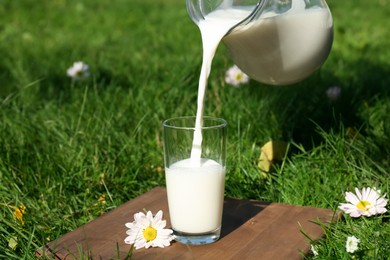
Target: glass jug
[278,42]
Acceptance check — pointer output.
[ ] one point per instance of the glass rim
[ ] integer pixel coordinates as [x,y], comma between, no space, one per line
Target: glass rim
[220,122]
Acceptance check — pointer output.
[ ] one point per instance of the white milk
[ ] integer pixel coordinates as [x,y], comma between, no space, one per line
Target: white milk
[195,195]
[277,50]
[282,49]
[213,28]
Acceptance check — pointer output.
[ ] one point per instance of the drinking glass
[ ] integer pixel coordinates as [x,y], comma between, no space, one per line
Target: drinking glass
[195,185]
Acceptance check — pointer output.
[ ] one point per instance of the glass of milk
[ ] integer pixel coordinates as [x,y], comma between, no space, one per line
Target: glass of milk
[195,181]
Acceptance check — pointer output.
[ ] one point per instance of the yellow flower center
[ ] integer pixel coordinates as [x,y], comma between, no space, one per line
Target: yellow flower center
[150,233]
[239,76]
[363,205]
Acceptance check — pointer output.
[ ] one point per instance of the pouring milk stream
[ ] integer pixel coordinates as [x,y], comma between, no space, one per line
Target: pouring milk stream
[277,42]
[213,28]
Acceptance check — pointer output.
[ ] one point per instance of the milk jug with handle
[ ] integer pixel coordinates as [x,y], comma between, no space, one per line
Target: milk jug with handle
[277,42]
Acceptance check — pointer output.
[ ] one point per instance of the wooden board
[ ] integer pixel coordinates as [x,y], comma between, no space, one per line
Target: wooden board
[250,230]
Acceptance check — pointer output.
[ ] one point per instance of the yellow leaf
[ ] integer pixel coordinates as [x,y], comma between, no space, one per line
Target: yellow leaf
[13,242]
[271,152]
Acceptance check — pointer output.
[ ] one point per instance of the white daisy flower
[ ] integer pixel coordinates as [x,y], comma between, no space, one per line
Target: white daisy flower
[148,231]
[235,77]
[365,203]
[78,71]
[352,244]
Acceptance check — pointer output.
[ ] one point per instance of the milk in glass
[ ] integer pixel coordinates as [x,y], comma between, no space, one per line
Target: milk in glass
[195,195]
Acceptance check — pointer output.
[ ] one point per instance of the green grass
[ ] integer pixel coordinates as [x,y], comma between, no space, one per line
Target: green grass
[64,145]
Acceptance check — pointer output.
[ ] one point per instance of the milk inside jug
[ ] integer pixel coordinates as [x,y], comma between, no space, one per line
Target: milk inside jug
[277,42]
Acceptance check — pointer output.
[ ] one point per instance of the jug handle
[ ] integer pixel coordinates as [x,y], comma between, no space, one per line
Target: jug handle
[254,14]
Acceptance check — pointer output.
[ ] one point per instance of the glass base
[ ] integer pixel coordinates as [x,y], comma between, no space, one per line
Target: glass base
[197,239]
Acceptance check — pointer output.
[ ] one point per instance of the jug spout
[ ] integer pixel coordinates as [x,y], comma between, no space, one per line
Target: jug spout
[277,42]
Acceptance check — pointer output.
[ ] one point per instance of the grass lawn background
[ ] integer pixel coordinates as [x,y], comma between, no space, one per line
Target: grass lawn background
[64,144]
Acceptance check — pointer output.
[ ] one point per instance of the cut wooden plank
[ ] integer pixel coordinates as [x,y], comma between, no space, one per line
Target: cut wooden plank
[250,230]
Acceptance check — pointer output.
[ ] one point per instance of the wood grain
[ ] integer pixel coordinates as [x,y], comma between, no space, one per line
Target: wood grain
[250,230]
